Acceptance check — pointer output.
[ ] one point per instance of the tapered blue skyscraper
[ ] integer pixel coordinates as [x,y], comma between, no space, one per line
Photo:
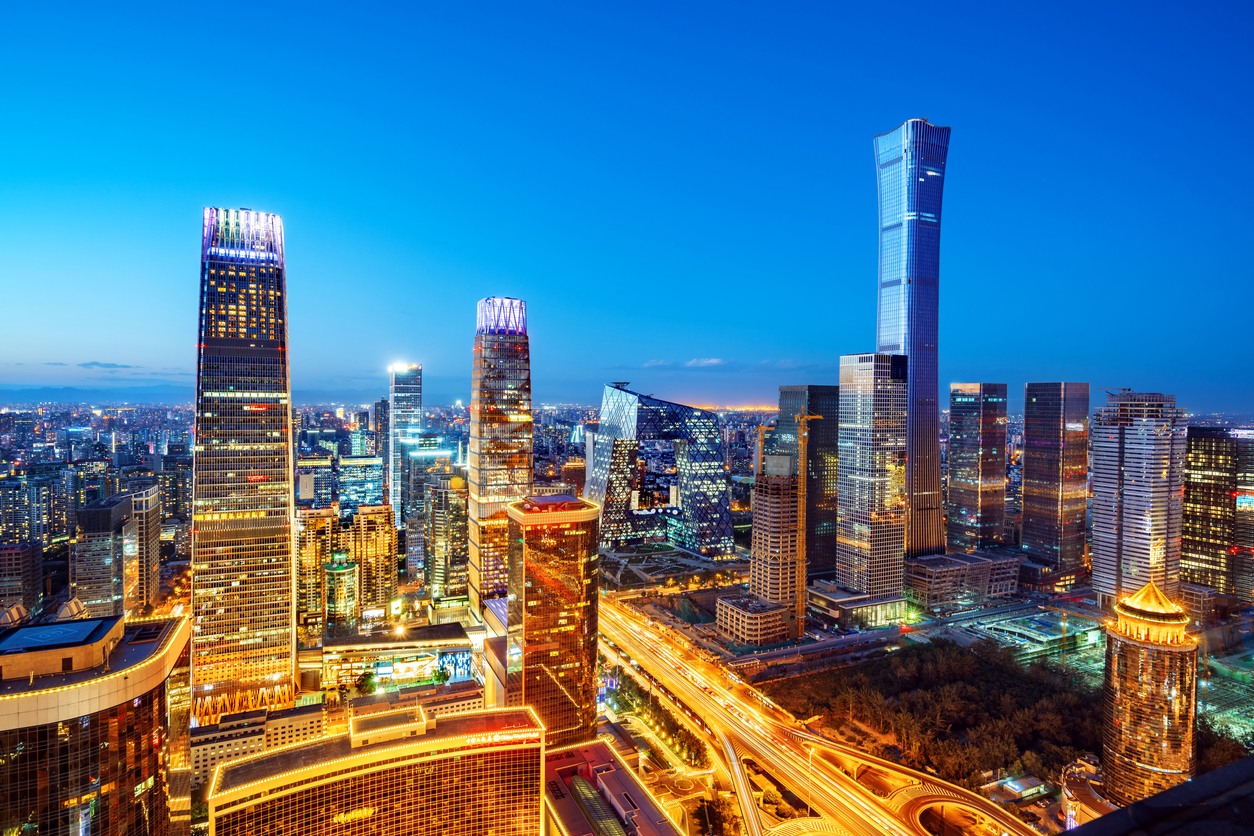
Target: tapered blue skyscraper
[910,170]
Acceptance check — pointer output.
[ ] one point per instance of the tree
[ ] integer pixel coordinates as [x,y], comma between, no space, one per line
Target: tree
[441,675]
[366,683]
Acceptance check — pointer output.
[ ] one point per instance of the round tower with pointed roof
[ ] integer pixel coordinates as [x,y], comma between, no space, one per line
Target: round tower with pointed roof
[1150,698]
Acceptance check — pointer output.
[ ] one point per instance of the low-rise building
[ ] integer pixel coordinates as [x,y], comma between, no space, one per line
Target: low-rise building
[590,791]
[453,698]
[748,620]
[941,582]
[831,604]
[249,733]
[397,658]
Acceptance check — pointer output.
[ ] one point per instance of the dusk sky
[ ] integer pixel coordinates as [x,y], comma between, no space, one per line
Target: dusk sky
[683,193]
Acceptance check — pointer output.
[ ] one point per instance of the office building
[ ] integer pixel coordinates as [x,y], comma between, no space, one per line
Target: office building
[361,482]
[146,510]
[1139,441]
[976,507]
[942,582]
[777,571]
[26,510]
[315,480]
[371,543]
[94,722]
[590,790]
[381,423]
[821,468]
[750,621]
[317,539]
[404,422]
[399,773]
[910,173]
[1055,475]
[447,537]
[1150,697]
[244,649]
[553,586]
[249,733]
[421,456]
[106,530]
[702,521]
[1217,541]
[21,576]
[341,612]
[500,469]
[575,474]
[871,488]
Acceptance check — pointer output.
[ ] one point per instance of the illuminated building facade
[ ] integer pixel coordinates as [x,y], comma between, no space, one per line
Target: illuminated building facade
[447,538]
[777,572]
[404,421]
[872,486]
[361,482]
[500,467]
[1150,698]
[146,509]
[397,773]
[94,727]
[553,586]
[822,468]
[1138,444]
[1217,543]
[244,650]
[315,481]
[105,531]
[21,576]
[976,508]
[371,543]
[910,172]
[703,521]
[340,582]
[1055,474]
[317,539]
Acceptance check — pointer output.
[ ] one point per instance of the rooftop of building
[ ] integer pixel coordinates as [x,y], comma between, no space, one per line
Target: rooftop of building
[1150,601]
[956,559]
[589,789]
[433,635]
[274,763]
[749,604]
[135,643]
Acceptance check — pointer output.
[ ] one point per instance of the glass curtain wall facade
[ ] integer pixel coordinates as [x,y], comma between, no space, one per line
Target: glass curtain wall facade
[404,422]
[361,482]
[371,544]
[1150,698]
[553,584]
[447,538]
[500,468]
[977,465]
[1055,474]
[822,469]
[910,168]
[1217,541]
[703,524]
[872,484]
[1139,441]
[243,653]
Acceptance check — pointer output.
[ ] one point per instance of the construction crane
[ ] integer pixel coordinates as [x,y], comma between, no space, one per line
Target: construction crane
[803,478]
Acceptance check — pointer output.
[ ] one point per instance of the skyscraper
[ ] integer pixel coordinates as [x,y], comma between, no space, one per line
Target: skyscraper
[383,449]
[977,465]
[776,572]
[371,544]
[822,467]
[553,574]
[1217,541]
[404,422]
[1150,698]
[106,530]
[871,492]
[146,509]
[446,536]
[242,576]
[361,481]
[317,539]
[1139,443]
[500,439]
[910,166]
[1055,474]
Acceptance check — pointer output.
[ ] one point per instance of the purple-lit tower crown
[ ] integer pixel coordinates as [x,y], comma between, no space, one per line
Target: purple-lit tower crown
[501,315]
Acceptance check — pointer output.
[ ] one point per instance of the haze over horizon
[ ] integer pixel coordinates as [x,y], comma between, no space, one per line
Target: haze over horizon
[688,204]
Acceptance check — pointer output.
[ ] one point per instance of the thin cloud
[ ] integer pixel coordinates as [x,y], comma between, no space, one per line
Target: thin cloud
[700,362]
[96,364]
[653,363]
[56,364]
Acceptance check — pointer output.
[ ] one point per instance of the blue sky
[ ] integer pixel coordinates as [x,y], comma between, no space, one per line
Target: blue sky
[683,192]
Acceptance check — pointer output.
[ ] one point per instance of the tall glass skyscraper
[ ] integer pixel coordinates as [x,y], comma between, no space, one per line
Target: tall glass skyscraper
[500,468]
[1139,441]
[1055,474]
[871,497]
[910,166]
[1217,543]
[405,422]
[977,465]
[242,576]
[821,469]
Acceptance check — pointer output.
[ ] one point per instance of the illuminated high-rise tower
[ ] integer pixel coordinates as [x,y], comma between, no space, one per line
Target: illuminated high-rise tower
[977,465]
[1055,474]
[242,574]
[910,171]
[405,422]
[500,439]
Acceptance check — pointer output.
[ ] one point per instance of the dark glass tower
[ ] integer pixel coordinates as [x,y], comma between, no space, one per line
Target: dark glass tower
[821,468]
[910,168]
[244,647]
[500,467]
[1055,473]
[405,423]
[553,586]
[977,465]
[1217,542]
